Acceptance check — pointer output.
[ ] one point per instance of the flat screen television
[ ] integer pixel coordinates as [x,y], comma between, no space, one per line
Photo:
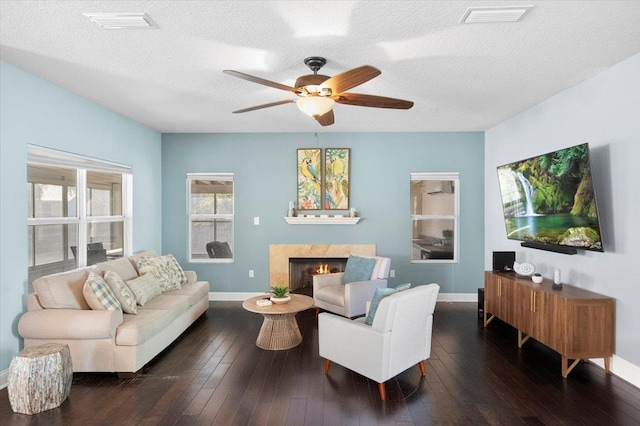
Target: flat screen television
[549,201]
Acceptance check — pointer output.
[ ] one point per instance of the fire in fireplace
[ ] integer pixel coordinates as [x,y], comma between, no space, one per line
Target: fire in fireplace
[302,270]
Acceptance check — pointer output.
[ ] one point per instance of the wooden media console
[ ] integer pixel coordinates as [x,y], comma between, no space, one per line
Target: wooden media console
[576,323]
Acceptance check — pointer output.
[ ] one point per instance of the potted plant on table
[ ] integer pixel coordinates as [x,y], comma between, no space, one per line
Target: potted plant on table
[280,294]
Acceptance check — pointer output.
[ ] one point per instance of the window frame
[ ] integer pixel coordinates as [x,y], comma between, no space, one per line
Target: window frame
[441,176]
[40,156]
[191,217]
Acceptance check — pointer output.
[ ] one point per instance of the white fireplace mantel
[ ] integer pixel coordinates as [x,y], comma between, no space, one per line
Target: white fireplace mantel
[322,220]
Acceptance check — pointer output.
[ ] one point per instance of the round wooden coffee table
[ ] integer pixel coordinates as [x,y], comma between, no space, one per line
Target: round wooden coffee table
[279,329]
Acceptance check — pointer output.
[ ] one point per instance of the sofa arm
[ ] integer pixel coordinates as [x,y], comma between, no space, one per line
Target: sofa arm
[69,324]
[326,280]
[192,277]
[357,294]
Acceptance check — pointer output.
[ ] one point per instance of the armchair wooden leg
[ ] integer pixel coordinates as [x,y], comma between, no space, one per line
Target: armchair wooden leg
[383,391]
[327,365]
[423,371]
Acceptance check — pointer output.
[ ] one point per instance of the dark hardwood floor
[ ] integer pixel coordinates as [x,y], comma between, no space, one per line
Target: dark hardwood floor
[215,375]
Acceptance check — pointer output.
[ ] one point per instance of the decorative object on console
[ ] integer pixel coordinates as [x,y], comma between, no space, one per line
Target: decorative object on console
[537,278]
[557,281]
[336,181]
[309,178]
[526,269]
[503,260]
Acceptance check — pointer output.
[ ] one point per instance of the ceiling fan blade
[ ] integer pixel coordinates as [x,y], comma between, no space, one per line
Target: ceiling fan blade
[259,80]
[372,101]
[326,119]
[253,108]
[350,79]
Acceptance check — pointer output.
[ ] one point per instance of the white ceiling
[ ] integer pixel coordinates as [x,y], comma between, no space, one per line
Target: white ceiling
[461,77]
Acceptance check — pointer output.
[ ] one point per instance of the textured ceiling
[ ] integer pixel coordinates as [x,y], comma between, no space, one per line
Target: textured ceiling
[461,77]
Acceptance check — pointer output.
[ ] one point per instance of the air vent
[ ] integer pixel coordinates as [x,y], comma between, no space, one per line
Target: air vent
[485,15]
[121,21]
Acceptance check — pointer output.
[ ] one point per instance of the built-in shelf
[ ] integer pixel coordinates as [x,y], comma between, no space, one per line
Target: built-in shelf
[322,220]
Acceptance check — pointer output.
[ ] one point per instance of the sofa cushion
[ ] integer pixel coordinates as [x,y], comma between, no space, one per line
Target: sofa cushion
[195,292]
[358,269]
[63,290]
[98,294]
[166,270]
[137,329]
[174,304]
[122,267]
[144,288]
[123,293]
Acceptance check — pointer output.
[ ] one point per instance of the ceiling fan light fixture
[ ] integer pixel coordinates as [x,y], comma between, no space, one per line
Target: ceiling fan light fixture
[315,106]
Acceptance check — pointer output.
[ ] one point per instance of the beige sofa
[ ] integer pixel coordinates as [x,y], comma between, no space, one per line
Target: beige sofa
[108,340]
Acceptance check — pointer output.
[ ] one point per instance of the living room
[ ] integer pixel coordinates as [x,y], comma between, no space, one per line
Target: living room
[601,110]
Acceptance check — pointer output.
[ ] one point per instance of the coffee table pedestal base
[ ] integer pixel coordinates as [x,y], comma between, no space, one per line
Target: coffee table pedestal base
[279,332]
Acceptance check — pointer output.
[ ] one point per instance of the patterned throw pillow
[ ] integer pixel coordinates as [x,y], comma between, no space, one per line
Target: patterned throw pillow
[123,293]
[166,270]
[358,269]
[380,294]
[402,287]
[98,295]
[145,288]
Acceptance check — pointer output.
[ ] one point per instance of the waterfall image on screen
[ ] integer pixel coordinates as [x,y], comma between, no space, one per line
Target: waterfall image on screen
[550,199]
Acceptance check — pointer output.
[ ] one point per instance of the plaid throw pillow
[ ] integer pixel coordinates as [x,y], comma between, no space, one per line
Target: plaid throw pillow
[98,294]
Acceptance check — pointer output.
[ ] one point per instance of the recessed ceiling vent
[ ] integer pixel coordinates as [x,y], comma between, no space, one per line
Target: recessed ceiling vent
[498,14]
[121,21]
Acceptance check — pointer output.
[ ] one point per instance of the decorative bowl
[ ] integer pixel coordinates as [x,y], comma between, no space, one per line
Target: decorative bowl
[280,300]
[537,279]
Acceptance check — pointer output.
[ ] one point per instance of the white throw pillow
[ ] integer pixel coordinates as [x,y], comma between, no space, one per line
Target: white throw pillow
[144,288]
[123,293]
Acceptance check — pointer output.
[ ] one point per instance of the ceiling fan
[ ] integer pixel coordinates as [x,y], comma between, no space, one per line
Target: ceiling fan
[318,93]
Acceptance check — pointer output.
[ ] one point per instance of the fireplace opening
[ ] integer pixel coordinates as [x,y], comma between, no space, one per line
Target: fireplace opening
[302,270]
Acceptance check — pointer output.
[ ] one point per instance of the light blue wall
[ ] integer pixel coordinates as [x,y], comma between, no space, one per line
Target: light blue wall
[605,112]
[33,111]
[265,181]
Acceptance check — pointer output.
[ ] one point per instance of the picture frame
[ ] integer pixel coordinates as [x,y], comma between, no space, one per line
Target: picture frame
[309,166]
[337,178]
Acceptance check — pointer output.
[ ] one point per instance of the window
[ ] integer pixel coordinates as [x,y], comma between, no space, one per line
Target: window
[210,205]
[434,217]
[77,210]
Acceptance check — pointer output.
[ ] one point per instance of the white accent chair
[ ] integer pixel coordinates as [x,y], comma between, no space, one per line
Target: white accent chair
[399,338]
[349,300]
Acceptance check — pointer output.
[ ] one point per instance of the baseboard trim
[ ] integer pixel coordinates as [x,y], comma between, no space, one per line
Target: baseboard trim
[241,296]
[624,369]
[4,378]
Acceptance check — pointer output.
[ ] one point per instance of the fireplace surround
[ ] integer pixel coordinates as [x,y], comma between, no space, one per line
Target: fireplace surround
[279,255]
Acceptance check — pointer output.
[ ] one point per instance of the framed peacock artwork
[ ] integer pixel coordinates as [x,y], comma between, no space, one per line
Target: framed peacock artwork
[309,162]
[336,178]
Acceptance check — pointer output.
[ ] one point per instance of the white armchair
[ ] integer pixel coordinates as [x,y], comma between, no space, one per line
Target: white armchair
[399,338]
[350,299]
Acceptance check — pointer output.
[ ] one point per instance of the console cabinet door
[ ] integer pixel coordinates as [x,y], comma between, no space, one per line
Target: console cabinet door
[550,320]
[499,297]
